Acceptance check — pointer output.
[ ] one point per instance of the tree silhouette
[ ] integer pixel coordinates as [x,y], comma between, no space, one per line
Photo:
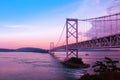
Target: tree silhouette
[107,65]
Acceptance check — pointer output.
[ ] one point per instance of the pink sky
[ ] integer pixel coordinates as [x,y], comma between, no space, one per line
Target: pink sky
[36,23]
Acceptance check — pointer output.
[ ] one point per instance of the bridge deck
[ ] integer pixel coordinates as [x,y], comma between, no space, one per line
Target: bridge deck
[111,41]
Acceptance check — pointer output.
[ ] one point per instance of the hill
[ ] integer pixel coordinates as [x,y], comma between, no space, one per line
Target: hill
[26,49]
[6,50]
[30,49]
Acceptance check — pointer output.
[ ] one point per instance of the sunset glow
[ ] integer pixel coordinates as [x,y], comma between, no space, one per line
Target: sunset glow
[36,23]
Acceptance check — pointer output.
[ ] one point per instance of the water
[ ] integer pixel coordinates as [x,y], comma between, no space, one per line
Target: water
[90,57]
[39,66]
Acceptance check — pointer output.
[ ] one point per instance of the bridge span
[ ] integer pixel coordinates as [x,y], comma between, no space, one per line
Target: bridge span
[112,41]
[105,32]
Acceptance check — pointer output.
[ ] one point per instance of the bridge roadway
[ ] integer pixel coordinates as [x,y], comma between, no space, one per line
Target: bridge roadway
[111,41]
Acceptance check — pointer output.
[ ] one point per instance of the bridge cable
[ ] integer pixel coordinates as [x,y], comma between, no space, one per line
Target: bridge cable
[60,35]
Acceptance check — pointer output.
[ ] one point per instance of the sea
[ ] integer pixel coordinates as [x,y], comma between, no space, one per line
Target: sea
[43,66]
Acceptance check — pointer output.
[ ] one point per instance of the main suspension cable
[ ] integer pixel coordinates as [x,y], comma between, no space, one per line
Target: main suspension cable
[60,36]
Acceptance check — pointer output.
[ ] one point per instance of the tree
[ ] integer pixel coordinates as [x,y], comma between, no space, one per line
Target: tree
[107,65]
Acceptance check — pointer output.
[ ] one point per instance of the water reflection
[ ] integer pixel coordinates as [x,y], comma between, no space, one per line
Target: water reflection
[92,57]
[38,66]
[32,66]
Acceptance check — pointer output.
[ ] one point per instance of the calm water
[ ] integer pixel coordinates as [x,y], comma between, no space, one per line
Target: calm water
[38,66]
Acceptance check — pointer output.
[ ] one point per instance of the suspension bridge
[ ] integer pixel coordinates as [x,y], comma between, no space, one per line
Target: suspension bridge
[104,32]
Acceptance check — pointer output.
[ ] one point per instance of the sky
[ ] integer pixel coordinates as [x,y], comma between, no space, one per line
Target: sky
[36,23]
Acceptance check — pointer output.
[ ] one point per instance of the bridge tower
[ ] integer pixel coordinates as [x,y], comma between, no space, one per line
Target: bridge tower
[51,51]
[71,31]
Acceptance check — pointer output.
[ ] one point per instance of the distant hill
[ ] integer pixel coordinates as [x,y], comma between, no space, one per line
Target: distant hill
[26,49]
[5,50]
[30,49]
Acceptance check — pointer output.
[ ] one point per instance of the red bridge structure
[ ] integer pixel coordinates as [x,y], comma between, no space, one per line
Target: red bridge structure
[104,33]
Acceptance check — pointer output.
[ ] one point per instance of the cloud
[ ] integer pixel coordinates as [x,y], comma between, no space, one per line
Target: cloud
[114,7]
[91,8]
[97,1]
[17,26]
[19,29]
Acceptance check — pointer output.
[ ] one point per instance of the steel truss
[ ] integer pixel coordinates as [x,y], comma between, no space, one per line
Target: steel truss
[71,31]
